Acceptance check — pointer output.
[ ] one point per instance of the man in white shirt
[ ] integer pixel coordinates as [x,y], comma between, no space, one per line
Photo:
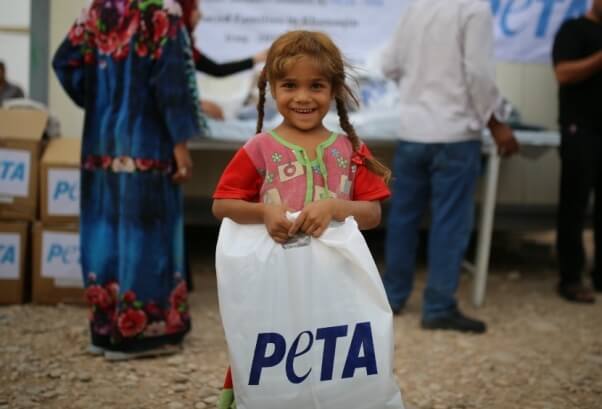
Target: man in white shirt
[442,57]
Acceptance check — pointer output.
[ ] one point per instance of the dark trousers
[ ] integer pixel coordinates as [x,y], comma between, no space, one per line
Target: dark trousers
[580,174]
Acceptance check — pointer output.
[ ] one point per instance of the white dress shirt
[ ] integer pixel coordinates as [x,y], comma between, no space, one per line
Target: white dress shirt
[442,56]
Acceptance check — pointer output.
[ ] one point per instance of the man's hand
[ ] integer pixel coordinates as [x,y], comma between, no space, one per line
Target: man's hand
[183,170]
[503,136]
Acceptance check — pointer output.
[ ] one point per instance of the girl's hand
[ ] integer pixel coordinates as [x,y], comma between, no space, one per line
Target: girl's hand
[314,218]
[183,163]
[276,222]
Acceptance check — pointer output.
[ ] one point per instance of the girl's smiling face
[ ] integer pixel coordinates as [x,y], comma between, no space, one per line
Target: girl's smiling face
[303,96]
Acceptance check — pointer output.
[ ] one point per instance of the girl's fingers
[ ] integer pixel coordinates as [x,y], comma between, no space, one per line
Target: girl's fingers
[296,225]
[318,232]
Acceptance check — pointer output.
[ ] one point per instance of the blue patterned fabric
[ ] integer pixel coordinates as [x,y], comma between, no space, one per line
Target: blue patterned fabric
[129,65]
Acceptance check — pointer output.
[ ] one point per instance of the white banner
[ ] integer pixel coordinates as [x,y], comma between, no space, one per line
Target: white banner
[234,29]
[63,192]
[525,29]
[10,256]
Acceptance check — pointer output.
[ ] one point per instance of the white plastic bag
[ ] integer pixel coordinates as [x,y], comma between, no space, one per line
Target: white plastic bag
[308,325]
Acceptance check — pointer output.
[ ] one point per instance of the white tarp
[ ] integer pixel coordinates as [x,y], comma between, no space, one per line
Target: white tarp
[233,29]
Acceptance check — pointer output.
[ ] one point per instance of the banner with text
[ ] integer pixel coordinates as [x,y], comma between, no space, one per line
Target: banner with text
[525,29]
[233,29]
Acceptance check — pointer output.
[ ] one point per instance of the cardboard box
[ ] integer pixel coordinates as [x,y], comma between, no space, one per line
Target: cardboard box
[20,144]
[57,273]
[14,279]
[59,181]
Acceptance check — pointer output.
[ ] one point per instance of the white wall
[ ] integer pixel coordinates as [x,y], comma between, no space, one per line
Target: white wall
[62,15]
[14,41]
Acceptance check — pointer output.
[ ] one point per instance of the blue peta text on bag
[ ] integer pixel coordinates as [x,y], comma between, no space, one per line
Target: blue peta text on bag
[308,325]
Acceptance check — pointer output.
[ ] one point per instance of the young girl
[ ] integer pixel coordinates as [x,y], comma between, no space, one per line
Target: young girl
[300,165]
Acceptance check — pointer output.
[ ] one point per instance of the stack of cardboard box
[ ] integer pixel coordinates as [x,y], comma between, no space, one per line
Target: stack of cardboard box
[20,147]
[57,275]
[39,256]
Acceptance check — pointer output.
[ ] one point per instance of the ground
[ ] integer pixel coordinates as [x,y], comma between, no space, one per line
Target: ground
[539,352]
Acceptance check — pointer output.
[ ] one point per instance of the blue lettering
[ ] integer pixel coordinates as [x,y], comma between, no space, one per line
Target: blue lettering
[65,255]
[7,254]
[292,354]
[509,9]
[361,353]
[495,6]
[261,360]
[5,167]
[544,18]
[12,170]
[55,251]
[19,173]
[65,188]
[61,188]
[329,335]
[576,9]
[362,339]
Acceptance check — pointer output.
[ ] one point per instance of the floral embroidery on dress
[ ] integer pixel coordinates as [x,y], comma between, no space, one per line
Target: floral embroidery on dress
[128,317]
[126,164]
[110,25]
[276,157]
[342,162]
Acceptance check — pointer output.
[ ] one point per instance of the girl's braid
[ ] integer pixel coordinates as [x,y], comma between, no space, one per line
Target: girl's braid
[261,84]
[372,164]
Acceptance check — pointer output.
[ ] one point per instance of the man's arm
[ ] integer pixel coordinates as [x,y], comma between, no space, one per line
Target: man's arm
[571,72]
[479,66]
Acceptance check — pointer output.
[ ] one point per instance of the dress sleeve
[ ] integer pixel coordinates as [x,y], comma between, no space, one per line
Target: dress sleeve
[69,65]
[368,186]
[174,86]
[208,66]
[240,179]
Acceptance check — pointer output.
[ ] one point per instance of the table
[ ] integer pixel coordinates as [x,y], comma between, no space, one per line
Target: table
[533,143]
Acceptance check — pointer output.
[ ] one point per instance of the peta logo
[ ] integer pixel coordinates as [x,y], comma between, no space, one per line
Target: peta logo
[7,254]
[10,255]
[66,189]
[61,253]
[14,172]
[359,356]
[63,192]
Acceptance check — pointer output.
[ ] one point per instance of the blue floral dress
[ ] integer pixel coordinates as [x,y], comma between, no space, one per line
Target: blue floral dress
[128,64]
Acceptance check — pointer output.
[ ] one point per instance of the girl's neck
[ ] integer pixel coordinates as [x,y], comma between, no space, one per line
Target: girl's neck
[306,139]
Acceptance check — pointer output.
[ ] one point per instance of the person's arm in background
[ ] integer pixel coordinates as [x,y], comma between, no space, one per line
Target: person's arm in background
[570,66]
[19,92]
[69,64]
[570,72]
[479,71]
[208,66]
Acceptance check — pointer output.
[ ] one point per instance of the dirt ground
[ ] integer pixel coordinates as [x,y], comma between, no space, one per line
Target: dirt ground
[539,352]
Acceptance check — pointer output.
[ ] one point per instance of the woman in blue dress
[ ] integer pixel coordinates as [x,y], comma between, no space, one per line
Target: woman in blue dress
[128,64]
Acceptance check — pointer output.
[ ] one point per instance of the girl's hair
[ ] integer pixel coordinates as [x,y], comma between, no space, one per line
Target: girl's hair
[289,48]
